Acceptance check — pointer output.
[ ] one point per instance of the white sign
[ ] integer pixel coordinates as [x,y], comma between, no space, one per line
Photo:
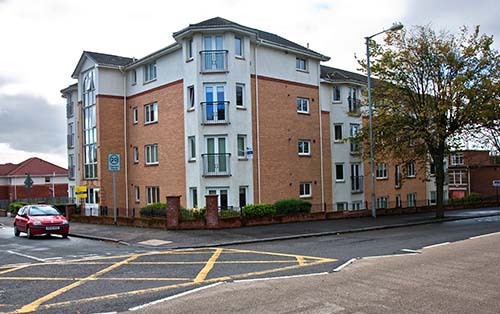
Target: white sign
[249,152]
[496,183]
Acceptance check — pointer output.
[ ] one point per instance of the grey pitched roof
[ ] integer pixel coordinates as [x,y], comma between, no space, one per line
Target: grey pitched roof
[339,75]
[107,59]
[218,22]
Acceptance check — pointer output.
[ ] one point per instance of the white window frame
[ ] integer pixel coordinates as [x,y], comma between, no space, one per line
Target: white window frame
[341,206]
[151,154]
[133,77]
[243,188]
[152,194]
[135,115]
[189,49]
[150,72]
[432,198]
[149,109]
[241,150]
[336,94]
[191,97]
[242,86]
[357,205]
[191,148]
[301,64]
[302,105]
[337,179]
[381,171]
[193,195]
[410,170]
[411,199]
[305,189]
[335,133]
[241,55]
[136,154]
[457,159]
[304,147]
[382,202]
[137,193]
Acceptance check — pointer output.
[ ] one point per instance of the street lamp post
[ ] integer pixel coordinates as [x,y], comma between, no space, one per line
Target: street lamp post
[394,27]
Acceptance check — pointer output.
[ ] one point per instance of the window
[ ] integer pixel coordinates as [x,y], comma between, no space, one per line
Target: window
[47,179]
[336,94]
[137,194]
[305,189]
[457,159]
[433,198]
[302,105]
[189,54]
[357,205]
[192,147]
[339,172]
[135,115]
[238,47]
[240,98]
[151,154]
[301,64]
[410,170]
[304,148]
[71,135]
[242,139]
[411,199]
[397,176]
[223,200]
[342,206]
[153,194]
[190,92]
[457,177]
[398,201]
[151,113]
[150,72]
[337,130]
[356,178]
[381,171]
[136,154]
[243,196]
[354,130]
[89,126]
[382,202]
[432,169]
[70,110]
[193,192]
[133,77]
[71,166]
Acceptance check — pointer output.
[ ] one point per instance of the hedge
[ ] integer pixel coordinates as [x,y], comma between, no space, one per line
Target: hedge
[192,214]
[292,205]
[154,210]
[15,206]
[258,210]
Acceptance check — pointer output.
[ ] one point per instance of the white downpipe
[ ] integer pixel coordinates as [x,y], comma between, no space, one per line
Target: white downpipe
[257,122]
[321,140]
[53,186]
[125,150]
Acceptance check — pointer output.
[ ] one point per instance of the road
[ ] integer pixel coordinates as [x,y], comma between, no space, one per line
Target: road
[73,275]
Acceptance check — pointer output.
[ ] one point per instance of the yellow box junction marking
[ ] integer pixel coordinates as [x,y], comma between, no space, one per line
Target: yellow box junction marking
[297,261]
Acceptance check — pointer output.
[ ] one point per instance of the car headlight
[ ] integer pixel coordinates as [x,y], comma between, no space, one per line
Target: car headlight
[37,222]
[64,222]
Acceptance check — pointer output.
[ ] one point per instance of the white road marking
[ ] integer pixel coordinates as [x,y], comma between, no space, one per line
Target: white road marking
[135,308]
[410,251]
[389,255]
[484,235]
[435,245]
[344,265]
[281,277]
[27,256]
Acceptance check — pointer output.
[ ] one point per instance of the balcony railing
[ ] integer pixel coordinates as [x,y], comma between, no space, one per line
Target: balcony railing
[357,184]
[215,112]
[71,140]
[71,172]
[216,164]
[213,60]
[354,105]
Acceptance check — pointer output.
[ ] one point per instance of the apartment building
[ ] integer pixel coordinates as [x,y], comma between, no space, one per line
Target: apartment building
[226,109]
[71,95]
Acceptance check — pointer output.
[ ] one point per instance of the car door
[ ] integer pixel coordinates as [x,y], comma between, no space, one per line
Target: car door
[22,219]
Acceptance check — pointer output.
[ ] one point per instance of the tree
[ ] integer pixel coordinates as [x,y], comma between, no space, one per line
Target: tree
[431,89]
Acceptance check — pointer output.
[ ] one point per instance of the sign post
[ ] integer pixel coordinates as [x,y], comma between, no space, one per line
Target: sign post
[114,167]
[28,184]
[496,185]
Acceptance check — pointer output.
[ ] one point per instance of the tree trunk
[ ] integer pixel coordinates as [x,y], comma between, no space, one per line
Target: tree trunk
[440,176]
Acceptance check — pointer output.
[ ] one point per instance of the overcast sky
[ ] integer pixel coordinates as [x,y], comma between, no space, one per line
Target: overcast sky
[42,40]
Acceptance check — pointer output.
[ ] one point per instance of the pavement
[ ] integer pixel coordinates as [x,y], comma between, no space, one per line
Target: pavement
[179,239]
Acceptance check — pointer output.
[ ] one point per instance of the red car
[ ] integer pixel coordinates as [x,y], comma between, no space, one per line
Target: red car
[40,219]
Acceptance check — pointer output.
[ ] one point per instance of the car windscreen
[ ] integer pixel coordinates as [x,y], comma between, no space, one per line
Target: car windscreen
[43,211]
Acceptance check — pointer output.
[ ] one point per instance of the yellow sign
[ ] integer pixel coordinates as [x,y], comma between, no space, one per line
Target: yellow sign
[81,191]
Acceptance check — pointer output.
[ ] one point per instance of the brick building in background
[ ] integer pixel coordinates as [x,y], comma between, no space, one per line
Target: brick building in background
[49,181]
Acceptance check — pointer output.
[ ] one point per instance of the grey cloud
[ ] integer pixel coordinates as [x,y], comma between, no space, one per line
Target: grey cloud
[31,124]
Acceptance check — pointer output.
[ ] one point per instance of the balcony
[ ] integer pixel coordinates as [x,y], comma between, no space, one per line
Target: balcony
[213,61]
[357,184]
[216,165]
[71,172]
[71,140]
[354,106]
[215,112]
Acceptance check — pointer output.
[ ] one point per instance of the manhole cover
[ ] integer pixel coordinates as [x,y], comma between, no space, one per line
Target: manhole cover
[154,242]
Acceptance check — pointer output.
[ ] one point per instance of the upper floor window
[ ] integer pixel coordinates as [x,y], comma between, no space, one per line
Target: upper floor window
[240,98]
[242,139]
[302,105]
[150,71]
[70,110]
[136,154]
[151,113]
[337,129]
[189,47]
[151,154]
[192,147]
[336,93]
[304,148]
[238,47]
[135,115]
[457,159]
[339,172]
[381,171]
[301,64]
[410,169]
[133,77]
[190,91]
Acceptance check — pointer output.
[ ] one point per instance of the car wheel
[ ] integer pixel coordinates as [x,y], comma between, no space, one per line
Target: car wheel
[65,235]
[28,233]
[16,232]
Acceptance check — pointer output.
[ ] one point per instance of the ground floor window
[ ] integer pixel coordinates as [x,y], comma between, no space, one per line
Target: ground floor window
[382,202]
[223,196]
[341,206]
[305,189]
[411,199]
[153,194]
[433,198]
[193,192]
[243,196]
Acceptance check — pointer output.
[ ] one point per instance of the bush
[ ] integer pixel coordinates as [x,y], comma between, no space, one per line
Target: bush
[192,214]
[228,213]
[154,210]
[292,205]
[472,198]
[15,206]
[258,210]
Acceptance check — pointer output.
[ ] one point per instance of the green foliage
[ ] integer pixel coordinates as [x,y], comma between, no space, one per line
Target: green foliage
[258,210]
[292,205]
[192,214]
[472,198]
[228,213]
[154,210]
[15,206]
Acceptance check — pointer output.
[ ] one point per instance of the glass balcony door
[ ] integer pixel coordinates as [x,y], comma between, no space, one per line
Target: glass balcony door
[215,109]
[213,47]
[217,159]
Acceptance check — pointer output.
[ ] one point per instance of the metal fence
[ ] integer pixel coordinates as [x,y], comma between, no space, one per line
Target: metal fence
[39,200]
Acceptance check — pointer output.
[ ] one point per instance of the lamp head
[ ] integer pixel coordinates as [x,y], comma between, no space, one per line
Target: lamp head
[395,27]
